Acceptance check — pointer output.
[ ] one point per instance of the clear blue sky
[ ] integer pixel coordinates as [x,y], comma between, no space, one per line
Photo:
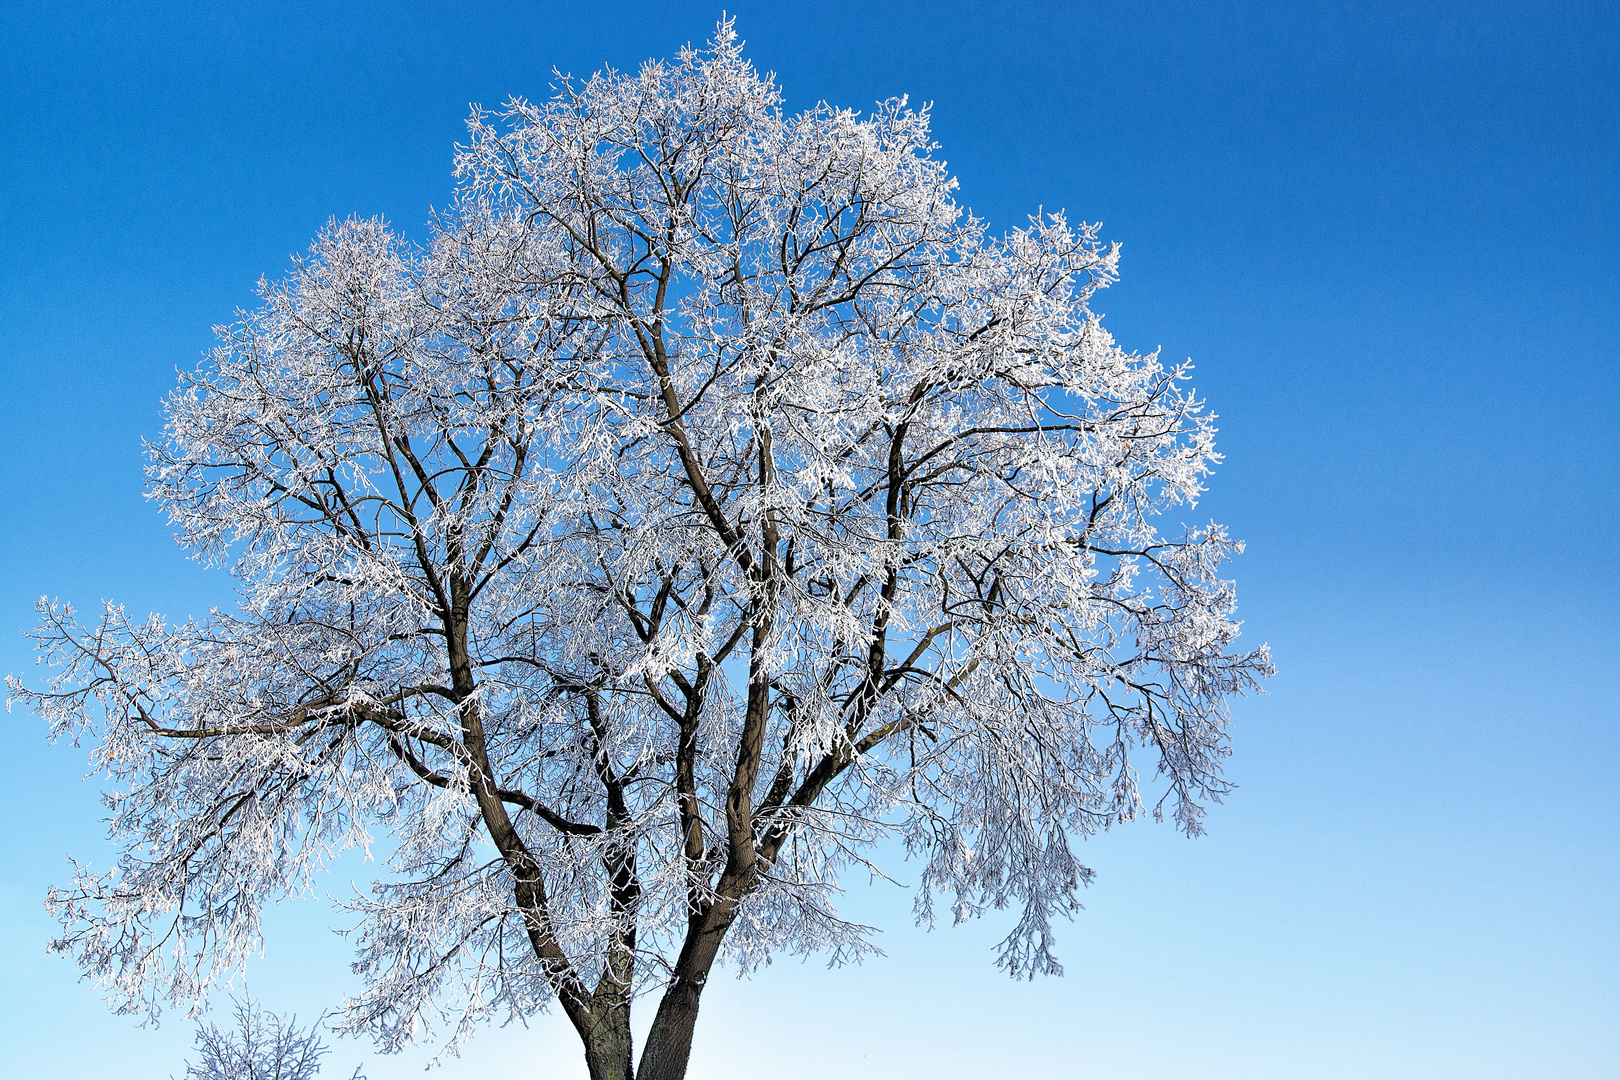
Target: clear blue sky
[1388,237]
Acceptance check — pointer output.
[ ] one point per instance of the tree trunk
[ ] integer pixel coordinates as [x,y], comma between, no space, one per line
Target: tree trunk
[608,1044]
[669,1043]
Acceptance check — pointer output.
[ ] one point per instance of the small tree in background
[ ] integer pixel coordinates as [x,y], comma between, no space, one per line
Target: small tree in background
[262,1047]
[708,500]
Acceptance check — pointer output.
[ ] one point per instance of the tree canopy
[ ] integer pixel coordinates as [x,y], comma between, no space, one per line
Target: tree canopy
[707,499]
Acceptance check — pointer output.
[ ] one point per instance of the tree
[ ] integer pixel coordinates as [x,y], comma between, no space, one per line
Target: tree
[263,1047]
[709,499]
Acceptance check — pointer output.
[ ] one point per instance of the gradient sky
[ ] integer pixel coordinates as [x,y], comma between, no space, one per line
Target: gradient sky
[1388,238]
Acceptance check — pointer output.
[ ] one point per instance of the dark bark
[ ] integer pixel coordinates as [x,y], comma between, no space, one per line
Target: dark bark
[608,1044]
[669,1043]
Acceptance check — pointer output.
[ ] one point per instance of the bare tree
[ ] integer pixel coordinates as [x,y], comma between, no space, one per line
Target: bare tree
[262,1047]
[708,500]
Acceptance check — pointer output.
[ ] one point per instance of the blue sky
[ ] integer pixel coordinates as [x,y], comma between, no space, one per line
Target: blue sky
[1388,237]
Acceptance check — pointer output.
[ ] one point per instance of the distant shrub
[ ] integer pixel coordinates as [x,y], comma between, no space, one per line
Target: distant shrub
[263,1046]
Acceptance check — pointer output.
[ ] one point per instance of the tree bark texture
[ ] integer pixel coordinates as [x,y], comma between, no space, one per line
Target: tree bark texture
[608,1044]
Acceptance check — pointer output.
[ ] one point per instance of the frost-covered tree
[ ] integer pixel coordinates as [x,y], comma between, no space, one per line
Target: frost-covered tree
[709,499]
[263,1046]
